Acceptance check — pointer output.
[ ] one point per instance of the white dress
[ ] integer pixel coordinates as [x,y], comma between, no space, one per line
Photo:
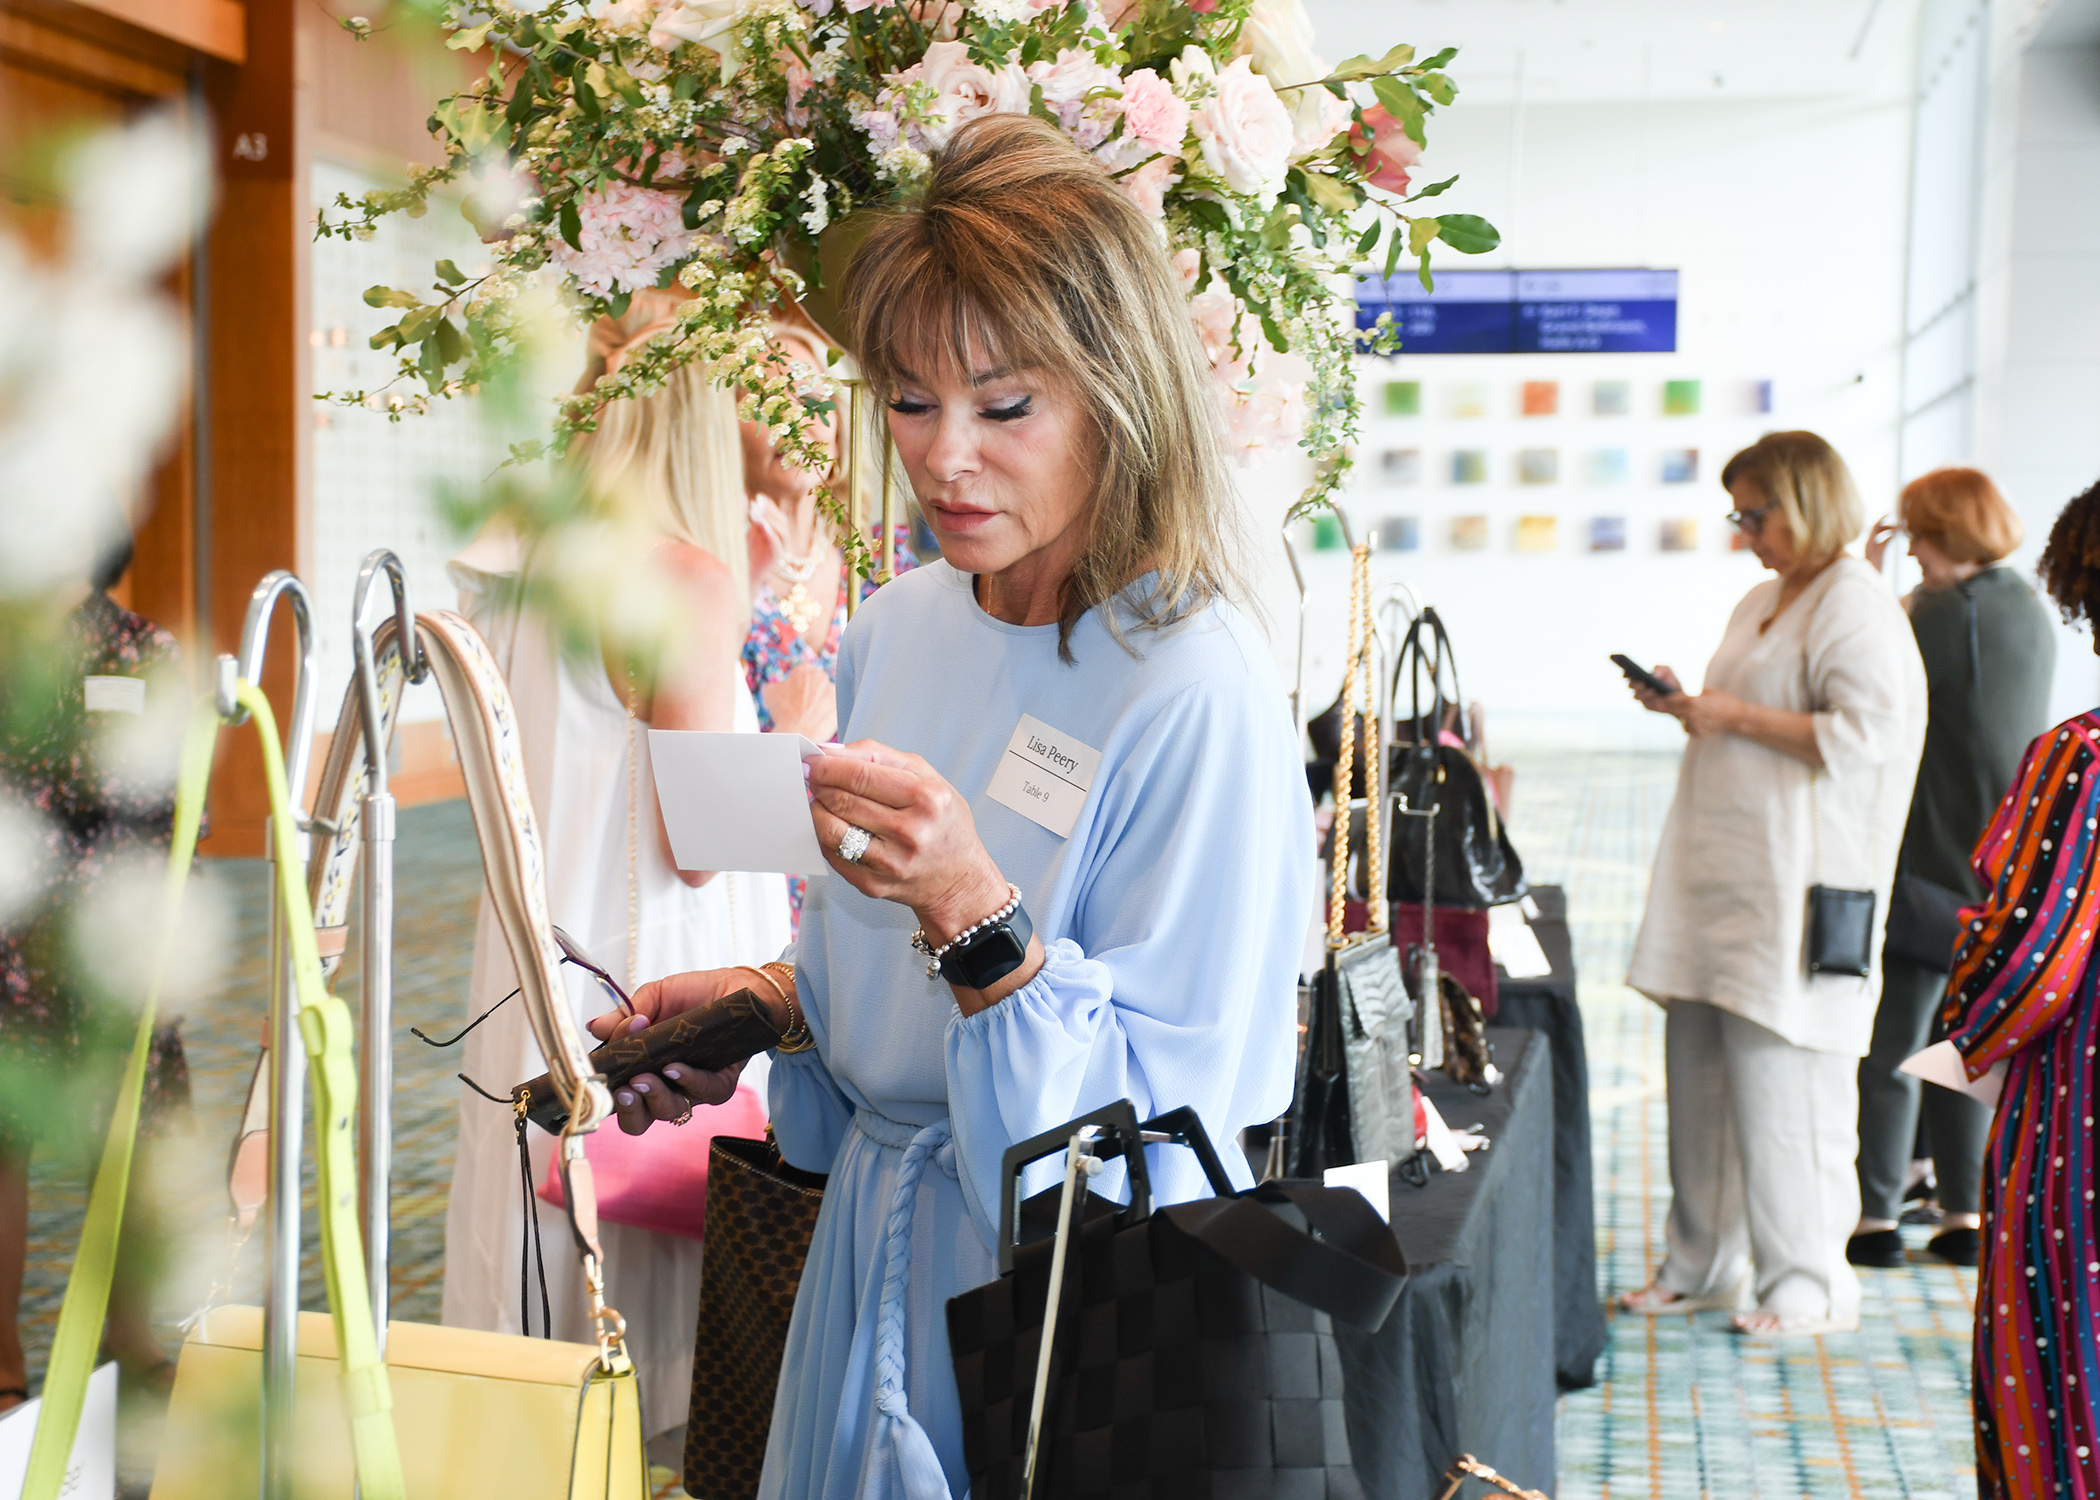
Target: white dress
[1746,837]
[576,738]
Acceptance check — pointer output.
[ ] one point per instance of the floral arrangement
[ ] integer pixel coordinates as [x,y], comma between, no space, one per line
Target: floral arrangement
[719,145]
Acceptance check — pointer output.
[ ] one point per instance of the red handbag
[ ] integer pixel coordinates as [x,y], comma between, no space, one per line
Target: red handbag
[1461,945]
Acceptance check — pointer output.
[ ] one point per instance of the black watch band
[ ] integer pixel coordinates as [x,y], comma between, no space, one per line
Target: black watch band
[990,955]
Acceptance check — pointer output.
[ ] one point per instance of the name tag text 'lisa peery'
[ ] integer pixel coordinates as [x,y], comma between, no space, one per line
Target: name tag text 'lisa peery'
[1045,775]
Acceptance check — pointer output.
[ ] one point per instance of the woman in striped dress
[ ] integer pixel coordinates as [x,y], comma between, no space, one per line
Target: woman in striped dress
[2025,992]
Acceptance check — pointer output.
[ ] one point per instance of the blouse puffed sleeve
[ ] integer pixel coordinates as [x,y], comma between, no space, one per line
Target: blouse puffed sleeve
[1862,665]
[2025,949]
[1175,980]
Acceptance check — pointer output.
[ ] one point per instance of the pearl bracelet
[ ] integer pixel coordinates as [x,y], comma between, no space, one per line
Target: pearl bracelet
[934,955]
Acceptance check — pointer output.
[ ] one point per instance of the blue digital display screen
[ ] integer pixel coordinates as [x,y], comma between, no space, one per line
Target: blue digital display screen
[1527,312]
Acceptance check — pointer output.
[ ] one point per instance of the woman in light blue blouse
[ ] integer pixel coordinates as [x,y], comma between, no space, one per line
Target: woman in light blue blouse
[1070,830]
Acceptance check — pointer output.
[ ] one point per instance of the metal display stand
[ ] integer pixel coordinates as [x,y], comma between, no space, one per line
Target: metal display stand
[280,1351]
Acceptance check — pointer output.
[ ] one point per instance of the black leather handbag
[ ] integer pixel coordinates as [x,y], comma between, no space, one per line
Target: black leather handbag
[1192,1347]
[1924,922]
[1840,931]
[1476,865]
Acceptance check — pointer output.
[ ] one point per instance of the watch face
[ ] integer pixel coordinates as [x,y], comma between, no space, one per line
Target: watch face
[989,958]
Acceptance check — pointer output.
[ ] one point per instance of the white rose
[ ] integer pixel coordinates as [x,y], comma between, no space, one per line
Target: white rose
[707,23]
[1192,72]
[967,89]
[1278,39]
[1245,131]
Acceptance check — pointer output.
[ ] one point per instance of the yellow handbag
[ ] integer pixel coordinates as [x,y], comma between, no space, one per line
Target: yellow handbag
[473,1412]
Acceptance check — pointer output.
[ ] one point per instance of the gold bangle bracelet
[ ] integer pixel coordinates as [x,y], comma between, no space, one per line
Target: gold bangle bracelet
[771,983]
[796,1038]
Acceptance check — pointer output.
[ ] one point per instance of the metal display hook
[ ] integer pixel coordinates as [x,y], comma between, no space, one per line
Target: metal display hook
[375,1051]
[280,1352]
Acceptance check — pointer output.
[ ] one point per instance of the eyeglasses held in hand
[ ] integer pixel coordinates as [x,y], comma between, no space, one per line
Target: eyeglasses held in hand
[571,953]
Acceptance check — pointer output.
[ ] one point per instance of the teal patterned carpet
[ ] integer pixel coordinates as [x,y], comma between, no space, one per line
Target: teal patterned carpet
[1683,1408]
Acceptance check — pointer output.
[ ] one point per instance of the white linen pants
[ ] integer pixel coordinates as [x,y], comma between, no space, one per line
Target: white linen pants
[1763,1137]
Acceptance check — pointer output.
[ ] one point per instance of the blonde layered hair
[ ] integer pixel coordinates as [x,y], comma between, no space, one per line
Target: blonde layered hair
[1023,253]
[1804,477]
[669,462]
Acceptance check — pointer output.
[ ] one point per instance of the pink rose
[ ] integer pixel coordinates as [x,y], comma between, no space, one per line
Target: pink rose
[942,18]
[1203,7]
[1387,156]
[1153,112]
[798,84]
[1245,131]
[1188,264]
[966,89]
[1146,188]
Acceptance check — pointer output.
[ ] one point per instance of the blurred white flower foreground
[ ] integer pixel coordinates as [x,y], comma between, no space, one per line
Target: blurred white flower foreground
[93,355]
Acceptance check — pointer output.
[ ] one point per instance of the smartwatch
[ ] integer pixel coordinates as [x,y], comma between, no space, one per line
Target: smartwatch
[989,956]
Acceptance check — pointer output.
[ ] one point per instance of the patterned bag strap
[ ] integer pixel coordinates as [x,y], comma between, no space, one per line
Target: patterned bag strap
[485,736]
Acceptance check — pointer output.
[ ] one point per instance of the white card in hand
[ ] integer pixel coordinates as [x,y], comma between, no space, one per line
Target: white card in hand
[736,801]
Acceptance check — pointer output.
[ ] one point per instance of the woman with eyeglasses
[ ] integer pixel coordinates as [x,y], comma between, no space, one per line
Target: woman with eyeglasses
[1803,745]
[1990,657]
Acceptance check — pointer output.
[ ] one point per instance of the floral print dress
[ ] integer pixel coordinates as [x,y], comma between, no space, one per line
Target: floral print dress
[773,648]
[63,1038]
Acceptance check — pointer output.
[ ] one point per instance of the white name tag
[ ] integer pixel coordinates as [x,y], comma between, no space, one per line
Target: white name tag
[1044,776]
[116,695]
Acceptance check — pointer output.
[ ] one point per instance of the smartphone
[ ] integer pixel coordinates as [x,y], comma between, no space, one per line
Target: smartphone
[1635,672]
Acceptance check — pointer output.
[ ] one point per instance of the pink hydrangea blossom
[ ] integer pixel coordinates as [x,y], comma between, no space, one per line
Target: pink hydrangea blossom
[1188,265]
[1267,419]
[1153,113]
[1388,154]
[628,236]
[1146,188]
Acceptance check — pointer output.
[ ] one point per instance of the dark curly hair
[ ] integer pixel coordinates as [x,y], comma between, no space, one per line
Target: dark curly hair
[2070,565]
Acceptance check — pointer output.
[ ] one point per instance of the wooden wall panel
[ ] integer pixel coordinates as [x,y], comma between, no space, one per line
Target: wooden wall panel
[257,270]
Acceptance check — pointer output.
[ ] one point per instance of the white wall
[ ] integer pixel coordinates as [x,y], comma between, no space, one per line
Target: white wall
[2040,361]
[1787,219]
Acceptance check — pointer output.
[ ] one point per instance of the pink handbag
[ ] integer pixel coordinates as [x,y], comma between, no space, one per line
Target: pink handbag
[659,1180]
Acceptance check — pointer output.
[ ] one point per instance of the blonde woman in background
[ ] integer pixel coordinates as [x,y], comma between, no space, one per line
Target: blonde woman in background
[1803,747]
[665,477]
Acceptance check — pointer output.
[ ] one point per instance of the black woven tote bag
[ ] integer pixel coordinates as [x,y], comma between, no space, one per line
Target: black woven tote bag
[1194,1357]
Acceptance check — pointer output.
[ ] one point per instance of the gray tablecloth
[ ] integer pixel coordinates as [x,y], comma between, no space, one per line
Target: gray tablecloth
[1465,1361]
[1547,1005]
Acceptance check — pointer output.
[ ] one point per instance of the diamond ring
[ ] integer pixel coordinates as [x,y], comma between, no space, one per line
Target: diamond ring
[854,844]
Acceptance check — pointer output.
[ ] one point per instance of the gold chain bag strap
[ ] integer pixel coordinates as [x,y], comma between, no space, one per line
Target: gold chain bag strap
[1356,1097]
[531,1419]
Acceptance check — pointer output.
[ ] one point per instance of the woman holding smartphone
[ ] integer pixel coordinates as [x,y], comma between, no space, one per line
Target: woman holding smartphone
[1803,746]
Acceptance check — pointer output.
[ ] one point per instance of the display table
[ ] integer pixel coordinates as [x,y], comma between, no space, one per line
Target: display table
[1465,1361]
[1547,1005]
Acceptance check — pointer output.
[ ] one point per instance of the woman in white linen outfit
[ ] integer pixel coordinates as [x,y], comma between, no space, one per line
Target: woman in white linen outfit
[1803,748]
[1053,410]
[666,473]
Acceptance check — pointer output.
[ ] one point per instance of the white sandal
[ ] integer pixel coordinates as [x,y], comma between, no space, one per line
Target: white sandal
[1656,1301]
[1786,1328]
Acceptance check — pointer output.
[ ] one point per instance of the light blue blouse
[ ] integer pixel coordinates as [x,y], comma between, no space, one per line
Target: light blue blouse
[1172,920]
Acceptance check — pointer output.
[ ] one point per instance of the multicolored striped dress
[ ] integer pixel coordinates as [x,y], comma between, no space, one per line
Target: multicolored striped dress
[2024,990]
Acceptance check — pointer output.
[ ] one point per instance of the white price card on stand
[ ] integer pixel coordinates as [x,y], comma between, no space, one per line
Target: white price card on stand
[736,801]
[91,1471]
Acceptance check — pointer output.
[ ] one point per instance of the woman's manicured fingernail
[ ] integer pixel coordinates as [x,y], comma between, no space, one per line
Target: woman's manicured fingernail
[639,1023]
[641,1086]
[625,1097]
[674,1075]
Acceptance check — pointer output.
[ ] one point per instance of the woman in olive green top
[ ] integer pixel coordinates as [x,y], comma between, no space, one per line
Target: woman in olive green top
[1989,655]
